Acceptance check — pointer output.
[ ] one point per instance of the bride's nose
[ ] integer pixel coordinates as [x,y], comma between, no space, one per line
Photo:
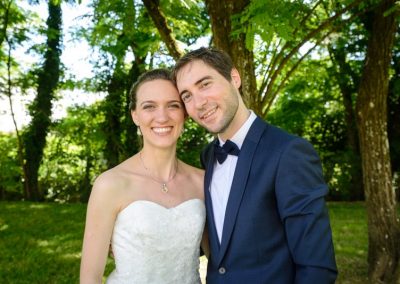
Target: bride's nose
[162,114]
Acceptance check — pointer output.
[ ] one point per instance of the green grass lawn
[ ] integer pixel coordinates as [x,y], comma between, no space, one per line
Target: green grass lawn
[41,242]
[350,238]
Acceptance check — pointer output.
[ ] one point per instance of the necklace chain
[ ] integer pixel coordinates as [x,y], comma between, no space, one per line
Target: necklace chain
[164,187]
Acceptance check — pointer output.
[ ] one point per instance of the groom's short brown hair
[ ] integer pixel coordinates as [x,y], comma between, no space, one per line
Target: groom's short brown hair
[215,58]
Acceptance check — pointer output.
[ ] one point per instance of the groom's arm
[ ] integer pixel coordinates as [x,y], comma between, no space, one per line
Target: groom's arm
[300,192]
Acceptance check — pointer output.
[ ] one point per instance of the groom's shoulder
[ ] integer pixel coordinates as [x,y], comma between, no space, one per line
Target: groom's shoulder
[276,138]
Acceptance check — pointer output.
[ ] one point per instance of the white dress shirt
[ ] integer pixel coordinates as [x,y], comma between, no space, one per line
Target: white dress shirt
[223,176]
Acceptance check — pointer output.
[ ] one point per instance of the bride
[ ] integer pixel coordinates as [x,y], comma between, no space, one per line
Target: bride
[151,206]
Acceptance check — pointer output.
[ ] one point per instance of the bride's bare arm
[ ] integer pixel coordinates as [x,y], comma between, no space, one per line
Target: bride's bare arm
[100,218]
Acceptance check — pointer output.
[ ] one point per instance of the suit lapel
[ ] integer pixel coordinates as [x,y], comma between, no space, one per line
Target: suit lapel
[212,231]
[239,183]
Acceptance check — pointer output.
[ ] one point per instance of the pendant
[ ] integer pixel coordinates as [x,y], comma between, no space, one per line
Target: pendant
[164,188]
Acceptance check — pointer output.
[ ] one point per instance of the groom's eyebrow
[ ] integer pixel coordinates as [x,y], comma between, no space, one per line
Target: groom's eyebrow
[198,82]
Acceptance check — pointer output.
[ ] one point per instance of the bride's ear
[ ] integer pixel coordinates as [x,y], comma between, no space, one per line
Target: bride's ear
[134,117]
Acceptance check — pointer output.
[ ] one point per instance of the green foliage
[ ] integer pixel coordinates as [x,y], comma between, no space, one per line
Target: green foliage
[269,19]
[124,38]
[289,21]
[191,143]
[15,33]
[73,156]
[187,19]
[10,170]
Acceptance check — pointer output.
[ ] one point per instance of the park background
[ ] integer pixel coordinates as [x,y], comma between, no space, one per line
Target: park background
[328,71]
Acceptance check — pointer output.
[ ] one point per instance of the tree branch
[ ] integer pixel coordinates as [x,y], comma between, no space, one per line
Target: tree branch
[294,50]
[20,146]
[160,22]
[3,34]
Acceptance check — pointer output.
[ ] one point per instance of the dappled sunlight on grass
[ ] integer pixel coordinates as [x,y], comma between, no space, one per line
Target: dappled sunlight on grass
[350,237]
[39,206]
[41,242]
[74,256]
[3,227]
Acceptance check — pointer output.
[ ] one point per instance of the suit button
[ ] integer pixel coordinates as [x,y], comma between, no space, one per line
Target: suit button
[222,270]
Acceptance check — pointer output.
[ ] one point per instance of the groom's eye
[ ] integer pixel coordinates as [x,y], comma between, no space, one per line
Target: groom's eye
[186,97]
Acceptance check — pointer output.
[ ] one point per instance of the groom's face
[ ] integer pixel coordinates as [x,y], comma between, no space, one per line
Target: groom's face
[210,99]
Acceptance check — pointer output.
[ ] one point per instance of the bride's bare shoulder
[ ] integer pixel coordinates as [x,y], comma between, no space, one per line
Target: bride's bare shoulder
[116,179]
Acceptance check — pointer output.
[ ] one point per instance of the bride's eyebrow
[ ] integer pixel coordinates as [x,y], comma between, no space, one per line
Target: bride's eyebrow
[147,102]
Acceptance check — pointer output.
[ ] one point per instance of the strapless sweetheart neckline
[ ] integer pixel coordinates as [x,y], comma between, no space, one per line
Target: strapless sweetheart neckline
[160,205]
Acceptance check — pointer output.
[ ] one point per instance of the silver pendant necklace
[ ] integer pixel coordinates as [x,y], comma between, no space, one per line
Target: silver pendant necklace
[164,187]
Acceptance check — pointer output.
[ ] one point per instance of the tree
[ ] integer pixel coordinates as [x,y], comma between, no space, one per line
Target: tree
[74,154]
[346,69]
[383,219]
[165,32]
[35,136]
[120,31]
[281,28]
[221,13]
[13,19]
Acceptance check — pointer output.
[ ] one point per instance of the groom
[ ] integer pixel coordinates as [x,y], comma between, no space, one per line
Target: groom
[264,190]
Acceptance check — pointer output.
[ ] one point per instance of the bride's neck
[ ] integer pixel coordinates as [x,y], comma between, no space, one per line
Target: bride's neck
[161,163]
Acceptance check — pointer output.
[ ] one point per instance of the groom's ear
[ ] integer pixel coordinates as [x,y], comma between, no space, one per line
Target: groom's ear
[236,80]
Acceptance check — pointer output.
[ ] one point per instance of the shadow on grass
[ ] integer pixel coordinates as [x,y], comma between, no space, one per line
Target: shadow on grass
[40,243]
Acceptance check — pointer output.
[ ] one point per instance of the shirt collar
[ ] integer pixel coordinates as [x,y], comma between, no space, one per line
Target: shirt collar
[240,135]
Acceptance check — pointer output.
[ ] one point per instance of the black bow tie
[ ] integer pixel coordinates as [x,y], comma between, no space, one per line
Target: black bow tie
[221,153]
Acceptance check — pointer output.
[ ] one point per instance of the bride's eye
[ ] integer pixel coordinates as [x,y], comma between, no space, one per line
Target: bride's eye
[148,107]
[175,105]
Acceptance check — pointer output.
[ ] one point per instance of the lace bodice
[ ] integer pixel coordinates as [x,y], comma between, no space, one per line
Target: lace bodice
[154,244]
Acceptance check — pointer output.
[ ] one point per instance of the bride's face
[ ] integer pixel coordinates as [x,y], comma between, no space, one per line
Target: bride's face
[159,113]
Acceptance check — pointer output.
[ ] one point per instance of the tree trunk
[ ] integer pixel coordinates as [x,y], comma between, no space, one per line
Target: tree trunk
[220,13]
[40,110]
[114,111]
[383,219]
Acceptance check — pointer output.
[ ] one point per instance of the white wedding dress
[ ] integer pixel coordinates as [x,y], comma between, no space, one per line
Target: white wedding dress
[154,244]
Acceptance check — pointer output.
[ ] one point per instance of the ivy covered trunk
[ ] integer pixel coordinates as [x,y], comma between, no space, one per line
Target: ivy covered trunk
[40,110]
[383,219]
[113,113]
[220,13]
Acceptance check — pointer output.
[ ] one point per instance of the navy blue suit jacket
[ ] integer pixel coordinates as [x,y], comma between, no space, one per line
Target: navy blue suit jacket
[276,227]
